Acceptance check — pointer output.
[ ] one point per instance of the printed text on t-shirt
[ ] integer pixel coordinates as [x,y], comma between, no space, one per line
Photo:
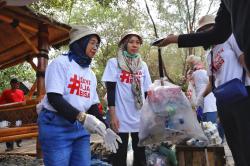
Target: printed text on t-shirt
[126,77]
[218,61]
[79,85]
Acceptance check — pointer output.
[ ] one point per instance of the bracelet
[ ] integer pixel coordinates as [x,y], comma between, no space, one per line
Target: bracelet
[81,117]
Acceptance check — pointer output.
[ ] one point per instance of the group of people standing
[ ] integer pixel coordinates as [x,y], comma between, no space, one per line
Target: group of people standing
[226,61]
[70,107]
[70,113]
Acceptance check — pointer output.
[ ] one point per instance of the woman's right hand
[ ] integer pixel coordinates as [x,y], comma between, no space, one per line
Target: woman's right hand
[114,122]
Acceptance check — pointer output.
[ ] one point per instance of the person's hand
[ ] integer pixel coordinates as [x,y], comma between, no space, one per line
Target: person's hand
[110,140]
[114,122]
[94,125]
[168,40]
[200,101]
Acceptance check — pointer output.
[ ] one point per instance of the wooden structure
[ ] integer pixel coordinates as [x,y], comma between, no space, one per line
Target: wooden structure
[25,35]
[200,156]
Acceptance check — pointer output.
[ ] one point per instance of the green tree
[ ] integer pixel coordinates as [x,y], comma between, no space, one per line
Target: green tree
[112,17]
[22,72]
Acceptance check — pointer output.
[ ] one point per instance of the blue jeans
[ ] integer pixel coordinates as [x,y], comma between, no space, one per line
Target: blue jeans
[63,143]
[209,116]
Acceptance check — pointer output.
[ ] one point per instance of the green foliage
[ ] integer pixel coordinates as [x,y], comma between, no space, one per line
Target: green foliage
[23,72]
[112,17]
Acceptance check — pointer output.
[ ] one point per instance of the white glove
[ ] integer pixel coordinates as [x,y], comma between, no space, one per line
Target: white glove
[110,140]
[94,125]
[200,101]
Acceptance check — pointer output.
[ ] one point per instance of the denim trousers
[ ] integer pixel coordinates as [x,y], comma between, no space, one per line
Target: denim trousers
[209,116]
[63,143]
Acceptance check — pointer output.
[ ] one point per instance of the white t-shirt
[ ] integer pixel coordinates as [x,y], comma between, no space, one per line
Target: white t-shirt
[226,62]
[200,81]
[76,84]
[126,111]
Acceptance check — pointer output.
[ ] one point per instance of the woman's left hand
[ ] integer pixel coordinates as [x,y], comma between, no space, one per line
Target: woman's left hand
[114,122]
[111,139]
[94,125]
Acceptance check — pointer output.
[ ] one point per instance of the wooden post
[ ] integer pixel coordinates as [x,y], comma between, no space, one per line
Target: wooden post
[43,46]
[2,4]
[32,91]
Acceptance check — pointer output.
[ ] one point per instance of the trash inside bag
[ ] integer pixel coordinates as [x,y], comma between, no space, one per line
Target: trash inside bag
[212,133]
[167,116]
[156,159]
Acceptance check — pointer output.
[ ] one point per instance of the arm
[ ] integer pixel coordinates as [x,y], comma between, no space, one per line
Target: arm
[200,98]
[68,111]
[93,110]
[147,81]
[63,108]
[111,87]
[208,88]
[219,34]
[2,100]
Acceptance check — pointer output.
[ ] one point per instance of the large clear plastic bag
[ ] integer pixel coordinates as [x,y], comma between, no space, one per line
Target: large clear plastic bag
[167,116]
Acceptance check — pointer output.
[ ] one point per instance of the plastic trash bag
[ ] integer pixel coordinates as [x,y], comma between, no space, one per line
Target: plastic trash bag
[167,116]
[211,131]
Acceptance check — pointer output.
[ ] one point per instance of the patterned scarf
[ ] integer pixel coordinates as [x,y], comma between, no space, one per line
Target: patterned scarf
[132,63]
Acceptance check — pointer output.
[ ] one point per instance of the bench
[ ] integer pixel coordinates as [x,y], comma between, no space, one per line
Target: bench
[24,111]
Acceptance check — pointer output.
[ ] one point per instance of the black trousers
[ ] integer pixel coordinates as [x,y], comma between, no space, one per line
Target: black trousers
[235,119]
[120,158]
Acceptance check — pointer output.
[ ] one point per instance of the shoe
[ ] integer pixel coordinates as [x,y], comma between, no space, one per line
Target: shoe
[9,149]
[18,145]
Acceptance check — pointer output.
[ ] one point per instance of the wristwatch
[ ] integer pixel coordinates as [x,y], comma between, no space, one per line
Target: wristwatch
[81,117]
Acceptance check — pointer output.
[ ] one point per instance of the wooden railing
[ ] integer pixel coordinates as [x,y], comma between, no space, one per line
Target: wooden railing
[19,105]
[17,133]
[25,111]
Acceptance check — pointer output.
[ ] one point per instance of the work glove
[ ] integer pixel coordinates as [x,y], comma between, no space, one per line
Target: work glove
[111,140]
[94,125]
[200,101]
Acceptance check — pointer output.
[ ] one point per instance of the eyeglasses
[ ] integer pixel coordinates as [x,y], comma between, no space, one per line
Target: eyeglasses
[94,45]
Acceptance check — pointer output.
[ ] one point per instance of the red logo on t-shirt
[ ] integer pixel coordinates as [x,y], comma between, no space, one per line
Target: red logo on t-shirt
[127,77]
[218,61]
[81,86]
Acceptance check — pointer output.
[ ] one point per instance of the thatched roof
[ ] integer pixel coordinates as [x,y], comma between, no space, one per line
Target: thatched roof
[13,48]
